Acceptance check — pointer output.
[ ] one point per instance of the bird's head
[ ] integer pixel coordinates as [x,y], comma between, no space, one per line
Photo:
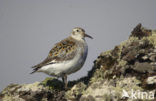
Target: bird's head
[79,33]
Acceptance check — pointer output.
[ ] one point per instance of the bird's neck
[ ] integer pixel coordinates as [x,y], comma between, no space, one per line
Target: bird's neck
[78,38]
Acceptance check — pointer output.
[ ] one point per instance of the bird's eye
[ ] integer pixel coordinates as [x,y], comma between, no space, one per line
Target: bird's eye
[77,30]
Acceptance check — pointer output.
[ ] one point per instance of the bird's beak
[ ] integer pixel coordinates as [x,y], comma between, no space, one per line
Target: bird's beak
[86,35]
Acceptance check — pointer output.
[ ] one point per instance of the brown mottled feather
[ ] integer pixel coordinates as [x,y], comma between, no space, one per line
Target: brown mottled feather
[66,49]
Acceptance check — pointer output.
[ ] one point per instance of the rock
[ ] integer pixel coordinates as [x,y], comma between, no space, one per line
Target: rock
[140,31]
[151,80]
[48,90]
[144,67]
[76,91]
[116,74]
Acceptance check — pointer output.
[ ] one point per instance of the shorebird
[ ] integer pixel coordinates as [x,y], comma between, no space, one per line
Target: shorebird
[66,57]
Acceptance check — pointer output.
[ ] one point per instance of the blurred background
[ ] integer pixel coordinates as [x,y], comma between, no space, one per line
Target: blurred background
[30,28]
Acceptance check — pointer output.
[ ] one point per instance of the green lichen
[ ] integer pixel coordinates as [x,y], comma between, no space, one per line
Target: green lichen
[8,87]
[152,39]
[108,52]
[98,75]
[122,63]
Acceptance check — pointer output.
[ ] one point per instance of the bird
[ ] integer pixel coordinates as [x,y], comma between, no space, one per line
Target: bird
[66,57]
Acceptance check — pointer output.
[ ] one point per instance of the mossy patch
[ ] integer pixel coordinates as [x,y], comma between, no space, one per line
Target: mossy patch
[52,84]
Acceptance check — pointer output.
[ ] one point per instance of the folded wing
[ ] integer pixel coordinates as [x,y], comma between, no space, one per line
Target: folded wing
[62,51]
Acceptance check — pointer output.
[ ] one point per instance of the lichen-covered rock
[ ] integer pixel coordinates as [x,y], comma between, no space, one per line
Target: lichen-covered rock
[48,90]
[76,91]
[130,66]
[111,90]
[118,73]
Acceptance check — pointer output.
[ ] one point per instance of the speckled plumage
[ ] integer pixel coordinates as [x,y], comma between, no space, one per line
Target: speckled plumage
[67,56]
[64,50]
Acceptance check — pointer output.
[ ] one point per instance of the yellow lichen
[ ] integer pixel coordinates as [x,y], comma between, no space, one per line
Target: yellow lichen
[152,39]
[122,63]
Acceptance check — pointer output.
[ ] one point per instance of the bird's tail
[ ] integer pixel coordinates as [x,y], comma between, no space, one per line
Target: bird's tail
[35,68]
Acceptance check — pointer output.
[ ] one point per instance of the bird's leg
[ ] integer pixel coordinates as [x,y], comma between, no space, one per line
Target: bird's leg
[64,79]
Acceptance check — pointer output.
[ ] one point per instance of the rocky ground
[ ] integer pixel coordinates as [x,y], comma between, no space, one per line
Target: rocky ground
[125,73]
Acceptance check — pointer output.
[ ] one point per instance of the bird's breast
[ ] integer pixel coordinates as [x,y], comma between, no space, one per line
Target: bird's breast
[84,52]
[79,59]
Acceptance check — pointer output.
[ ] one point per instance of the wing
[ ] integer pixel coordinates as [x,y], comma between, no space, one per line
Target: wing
[64,50]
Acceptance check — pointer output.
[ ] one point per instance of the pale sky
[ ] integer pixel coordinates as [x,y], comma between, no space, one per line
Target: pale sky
[30,28]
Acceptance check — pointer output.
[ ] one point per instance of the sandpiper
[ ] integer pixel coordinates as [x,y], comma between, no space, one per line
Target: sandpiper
[66,57]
